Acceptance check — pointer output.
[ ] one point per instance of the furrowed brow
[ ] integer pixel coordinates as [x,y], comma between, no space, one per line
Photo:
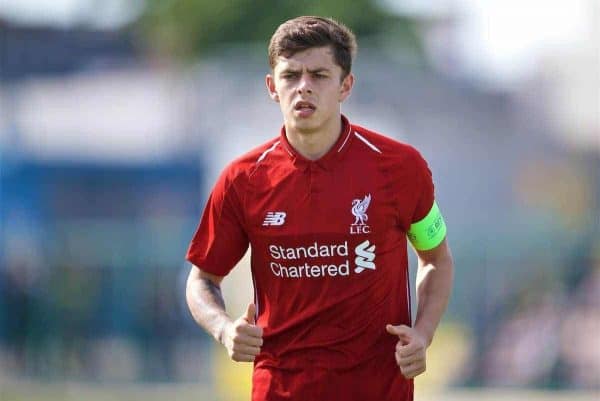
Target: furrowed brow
[290,70]
[318,70]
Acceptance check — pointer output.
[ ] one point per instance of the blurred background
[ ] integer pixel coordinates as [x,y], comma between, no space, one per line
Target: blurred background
[117,115]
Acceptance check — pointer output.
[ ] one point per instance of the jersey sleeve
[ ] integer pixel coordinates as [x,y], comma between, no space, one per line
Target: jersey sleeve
[220,240]
[428,228]
[425,191]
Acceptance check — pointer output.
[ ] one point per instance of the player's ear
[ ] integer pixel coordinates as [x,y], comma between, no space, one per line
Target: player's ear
[346,87]
[270,82]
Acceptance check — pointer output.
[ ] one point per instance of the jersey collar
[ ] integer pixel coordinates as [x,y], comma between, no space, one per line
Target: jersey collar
[328,159]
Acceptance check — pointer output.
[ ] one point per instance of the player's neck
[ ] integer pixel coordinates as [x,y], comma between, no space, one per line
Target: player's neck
[315,143]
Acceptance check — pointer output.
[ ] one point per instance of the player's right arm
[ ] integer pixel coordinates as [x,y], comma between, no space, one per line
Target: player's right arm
[242,337]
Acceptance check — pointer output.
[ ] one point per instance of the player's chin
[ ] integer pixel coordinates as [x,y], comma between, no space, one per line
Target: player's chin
[305,123]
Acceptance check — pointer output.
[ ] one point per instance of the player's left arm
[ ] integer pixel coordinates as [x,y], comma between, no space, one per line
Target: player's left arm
[434,285]
[427,235]
[435,275]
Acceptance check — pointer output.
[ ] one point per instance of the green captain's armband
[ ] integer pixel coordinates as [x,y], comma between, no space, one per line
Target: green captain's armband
[429,232]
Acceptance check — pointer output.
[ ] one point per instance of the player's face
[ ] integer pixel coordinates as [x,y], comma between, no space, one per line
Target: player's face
[309,89]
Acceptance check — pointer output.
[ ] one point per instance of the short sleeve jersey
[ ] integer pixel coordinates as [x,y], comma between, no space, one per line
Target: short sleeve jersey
[328,260]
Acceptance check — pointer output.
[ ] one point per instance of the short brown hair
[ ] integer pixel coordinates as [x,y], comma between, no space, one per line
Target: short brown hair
[305,32]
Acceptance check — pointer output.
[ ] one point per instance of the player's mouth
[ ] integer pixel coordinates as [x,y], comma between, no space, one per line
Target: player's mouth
[304,109]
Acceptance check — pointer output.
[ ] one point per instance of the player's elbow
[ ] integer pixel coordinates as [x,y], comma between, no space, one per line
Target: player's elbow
[192,287]
[189,292]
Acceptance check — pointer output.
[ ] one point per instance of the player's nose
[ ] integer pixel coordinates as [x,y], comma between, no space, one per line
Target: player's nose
[304,85]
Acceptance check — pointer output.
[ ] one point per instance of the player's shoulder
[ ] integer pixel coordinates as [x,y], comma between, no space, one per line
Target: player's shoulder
[386,146]
[245,165]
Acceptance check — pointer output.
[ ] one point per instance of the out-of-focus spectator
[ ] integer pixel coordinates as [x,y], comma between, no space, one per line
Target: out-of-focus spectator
[580,332]
[25,318]
[525,347]
[549,337]
[159,325]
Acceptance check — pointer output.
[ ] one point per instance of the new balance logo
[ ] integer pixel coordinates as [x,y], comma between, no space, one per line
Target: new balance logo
[274,219]
[365,255]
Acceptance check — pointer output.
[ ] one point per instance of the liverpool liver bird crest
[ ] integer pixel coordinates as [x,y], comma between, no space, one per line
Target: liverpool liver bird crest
[359,210]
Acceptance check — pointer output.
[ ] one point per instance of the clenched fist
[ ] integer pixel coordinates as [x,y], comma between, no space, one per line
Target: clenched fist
[242,337]
[410,350]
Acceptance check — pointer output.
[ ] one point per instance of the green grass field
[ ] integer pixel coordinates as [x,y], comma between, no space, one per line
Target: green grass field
[36,391]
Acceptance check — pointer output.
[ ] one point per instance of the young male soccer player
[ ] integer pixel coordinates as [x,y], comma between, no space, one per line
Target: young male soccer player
[327,207]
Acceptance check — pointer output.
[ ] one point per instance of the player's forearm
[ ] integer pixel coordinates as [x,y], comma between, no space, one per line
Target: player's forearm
[207,305]
[434,285]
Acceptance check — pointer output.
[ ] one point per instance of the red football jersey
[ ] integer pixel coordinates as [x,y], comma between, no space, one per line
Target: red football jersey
[329,260]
